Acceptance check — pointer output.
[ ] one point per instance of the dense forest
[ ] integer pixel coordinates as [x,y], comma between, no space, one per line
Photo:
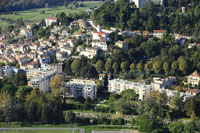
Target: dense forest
[125,16]
[13,5]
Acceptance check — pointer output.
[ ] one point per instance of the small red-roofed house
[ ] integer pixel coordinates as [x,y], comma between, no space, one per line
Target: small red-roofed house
[51,20]
[158,33]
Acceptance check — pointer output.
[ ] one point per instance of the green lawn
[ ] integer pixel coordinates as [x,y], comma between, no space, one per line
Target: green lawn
[35,15]
[39,131]
[3,25]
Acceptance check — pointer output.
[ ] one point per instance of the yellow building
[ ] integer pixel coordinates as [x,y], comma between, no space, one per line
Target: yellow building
[122,45]
[194,79]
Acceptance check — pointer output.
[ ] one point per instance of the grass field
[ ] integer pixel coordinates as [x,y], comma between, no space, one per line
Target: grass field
[38,131]
[35,15]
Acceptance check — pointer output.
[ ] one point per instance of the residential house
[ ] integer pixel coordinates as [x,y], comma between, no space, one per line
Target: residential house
[159,83]
[25,32]
[100,36]
[122,45]
[192,92]
[158,33]
[50,21]
[194,79]
[101,44]
[89,52]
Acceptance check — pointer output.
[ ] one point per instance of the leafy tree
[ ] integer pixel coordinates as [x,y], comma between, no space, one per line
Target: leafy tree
[176,127]
[183,66]
[193,116]
[75,66]
[99,66]
[70,117]
[115,67]
[67,68]
[189,127]
[176,105]
[174,66]
[166,67]
[124,66]
[145,124]
[157,66]
[132,121]
[9,109]
[139,67]
[21,93]
[19,22]
[108,66]
[56,83]
[148,67]
[189,106]
[132,67]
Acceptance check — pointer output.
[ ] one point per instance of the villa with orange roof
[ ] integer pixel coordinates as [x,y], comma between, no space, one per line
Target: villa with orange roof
[158,33]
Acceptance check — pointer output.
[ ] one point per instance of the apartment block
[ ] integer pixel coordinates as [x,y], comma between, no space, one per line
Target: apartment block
[82,87]
[119,85]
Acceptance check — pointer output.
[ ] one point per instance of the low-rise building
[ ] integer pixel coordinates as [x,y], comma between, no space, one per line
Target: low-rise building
[159,83]
[51,20]
[82,87]
[101,44]
[192,92]
[25,32]
[100,36]
[158,33]
[194,79]
[122,45]
[89,52]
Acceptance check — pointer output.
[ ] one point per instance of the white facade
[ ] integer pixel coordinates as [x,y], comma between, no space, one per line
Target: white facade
[51,20]
[100,36]
[101,44]
[27,33]
[82,87]
[89,52]
[141,3]
[119,85]
[160,83]
[158,33]
[41,82]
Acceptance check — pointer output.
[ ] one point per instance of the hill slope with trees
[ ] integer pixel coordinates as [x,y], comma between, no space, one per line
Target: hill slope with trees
[125,16]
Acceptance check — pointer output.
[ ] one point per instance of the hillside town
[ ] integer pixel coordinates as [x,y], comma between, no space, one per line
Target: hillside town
[136,74]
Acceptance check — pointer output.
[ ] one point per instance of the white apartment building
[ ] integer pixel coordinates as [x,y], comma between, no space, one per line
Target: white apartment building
[51,20]
[82,87]
[119,85]
[101,44]
[142,3]
[41,81]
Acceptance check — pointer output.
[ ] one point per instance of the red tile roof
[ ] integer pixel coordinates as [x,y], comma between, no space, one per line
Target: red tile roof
[100,33]
[52,18]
